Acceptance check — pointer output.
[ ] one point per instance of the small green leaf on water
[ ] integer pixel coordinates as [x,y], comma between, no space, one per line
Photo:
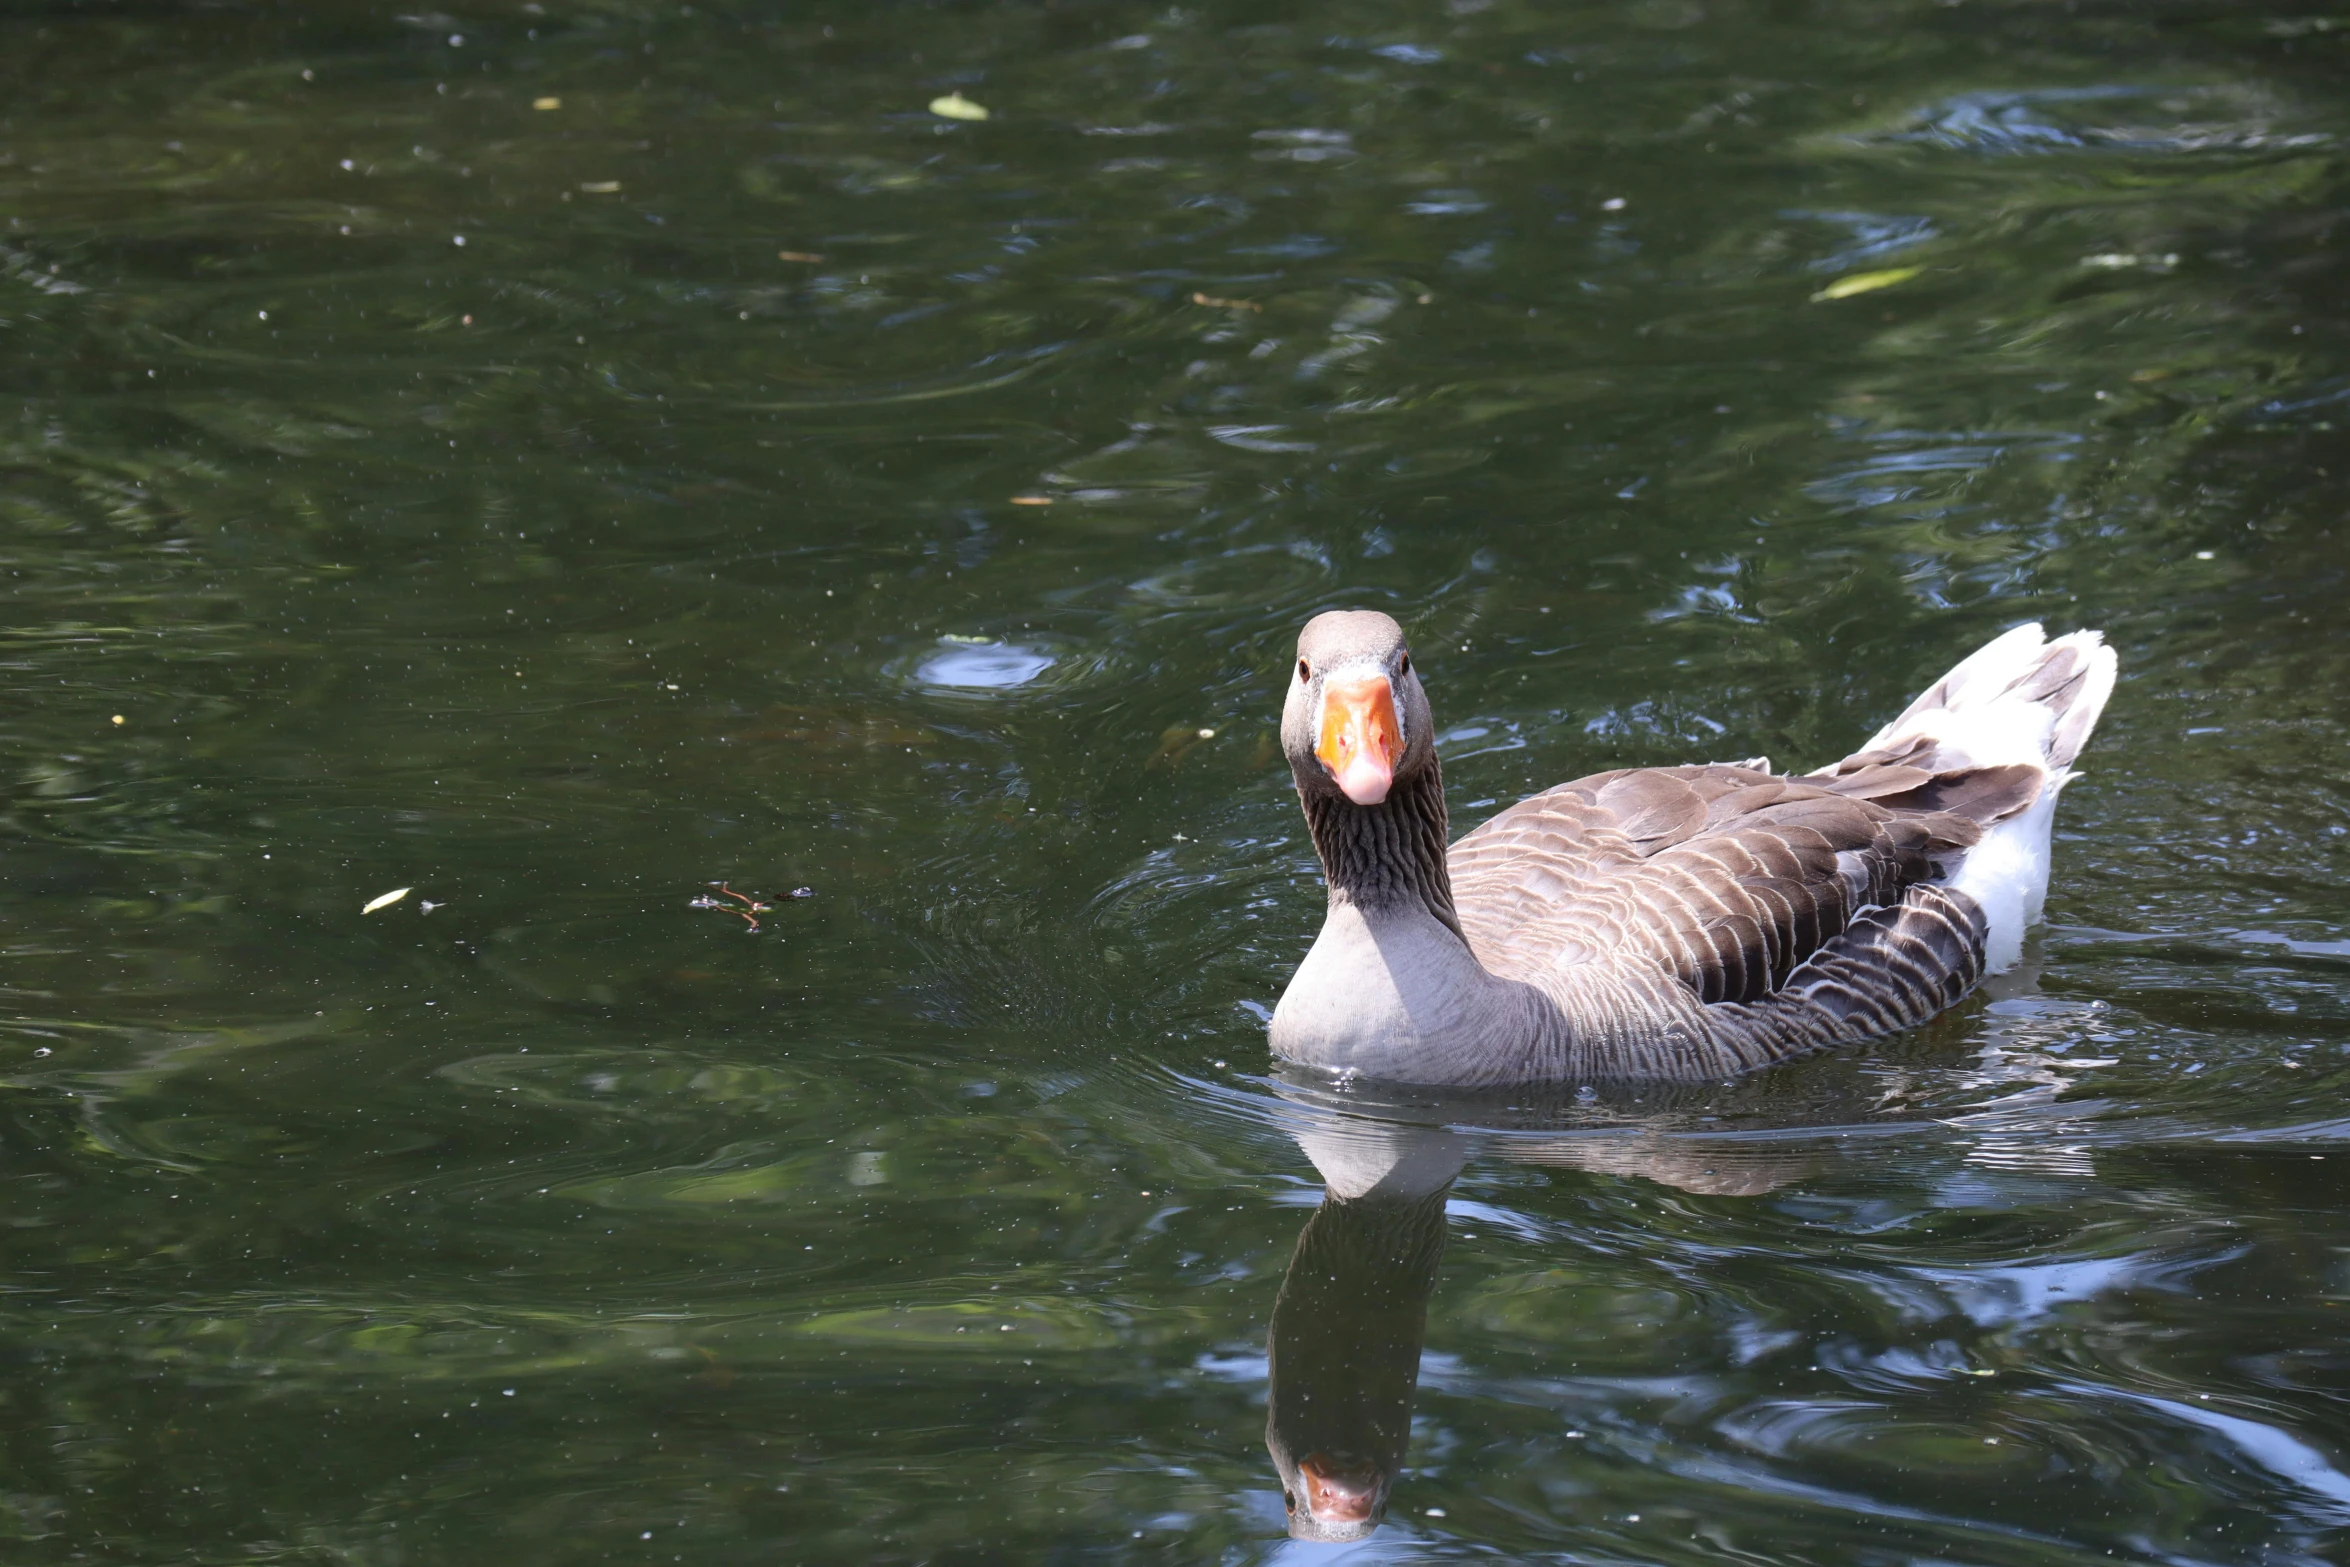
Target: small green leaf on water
[1866,282]
[387,900]
[954,106]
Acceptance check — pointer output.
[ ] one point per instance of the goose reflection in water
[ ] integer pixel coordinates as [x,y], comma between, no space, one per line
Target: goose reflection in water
[1350,1319]
[1352,1313]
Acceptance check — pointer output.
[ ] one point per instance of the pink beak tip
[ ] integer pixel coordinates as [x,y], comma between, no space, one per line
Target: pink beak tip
[1366,780]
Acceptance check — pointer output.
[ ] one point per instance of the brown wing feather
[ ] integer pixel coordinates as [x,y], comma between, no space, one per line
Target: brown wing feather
[1729,878]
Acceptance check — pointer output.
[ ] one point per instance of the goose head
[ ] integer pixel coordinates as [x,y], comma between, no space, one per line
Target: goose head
[1356,722]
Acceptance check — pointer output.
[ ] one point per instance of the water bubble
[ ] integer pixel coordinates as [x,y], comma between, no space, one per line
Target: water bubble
[983,666]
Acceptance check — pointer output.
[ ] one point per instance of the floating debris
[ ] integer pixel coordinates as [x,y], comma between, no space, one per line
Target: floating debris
[1017,500]
[387,900]
[798,255]
[600,187]
[1177,743]
[954,106]
[546,103]
[1213,303]
[745,909]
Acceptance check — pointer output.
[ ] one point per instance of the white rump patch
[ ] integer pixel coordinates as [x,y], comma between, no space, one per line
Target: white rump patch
[1982,714]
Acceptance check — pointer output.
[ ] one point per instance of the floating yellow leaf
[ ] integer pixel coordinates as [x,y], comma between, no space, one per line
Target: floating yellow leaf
[387,900]
[1866,282]
[954,106]
[546,103]
[600,187]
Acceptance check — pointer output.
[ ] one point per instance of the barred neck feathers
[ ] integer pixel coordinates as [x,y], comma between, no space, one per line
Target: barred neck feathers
[1389,855]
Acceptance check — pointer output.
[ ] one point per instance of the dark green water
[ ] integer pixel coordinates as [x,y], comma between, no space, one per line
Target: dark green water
[404,486]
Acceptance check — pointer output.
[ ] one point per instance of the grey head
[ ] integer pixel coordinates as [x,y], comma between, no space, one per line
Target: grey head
[1356,721]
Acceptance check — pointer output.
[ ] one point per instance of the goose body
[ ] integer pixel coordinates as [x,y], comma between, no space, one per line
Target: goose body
[1683,923]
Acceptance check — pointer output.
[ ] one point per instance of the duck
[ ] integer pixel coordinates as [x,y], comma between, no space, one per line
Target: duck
[1678,924]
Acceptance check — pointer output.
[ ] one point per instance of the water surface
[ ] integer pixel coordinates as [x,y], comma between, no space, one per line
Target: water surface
[556,457]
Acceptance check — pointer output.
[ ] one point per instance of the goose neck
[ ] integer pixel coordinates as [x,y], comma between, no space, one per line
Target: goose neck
[1388,857]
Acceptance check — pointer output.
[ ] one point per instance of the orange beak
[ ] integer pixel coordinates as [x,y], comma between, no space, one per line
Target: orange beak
[1360,737]
[1339,1495]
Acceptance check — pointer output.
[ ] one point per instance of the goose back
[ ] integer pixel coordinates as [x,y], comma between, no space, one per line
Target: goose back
[1728,877]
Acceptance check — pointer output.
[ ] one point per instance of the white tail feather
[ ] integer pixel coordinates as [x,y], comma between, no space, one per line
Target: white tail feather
[2018,700]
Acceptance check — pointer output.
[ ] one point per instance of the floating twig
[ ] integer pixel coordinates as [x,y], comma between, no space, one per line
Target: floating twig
[745,909]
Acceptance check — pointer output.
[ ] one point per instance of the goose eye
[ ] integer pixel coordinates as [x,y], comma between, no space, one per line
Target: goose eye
[1304,673]
[1404,668]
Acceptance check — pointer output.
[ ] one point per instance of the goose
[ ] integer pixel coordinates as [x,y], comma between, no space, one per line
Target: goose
[1666,923]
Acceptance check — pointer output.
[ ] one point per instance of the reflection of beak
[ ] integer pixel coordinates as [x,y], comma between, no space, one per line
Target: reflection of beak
[1335,1495]
[1360,737]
